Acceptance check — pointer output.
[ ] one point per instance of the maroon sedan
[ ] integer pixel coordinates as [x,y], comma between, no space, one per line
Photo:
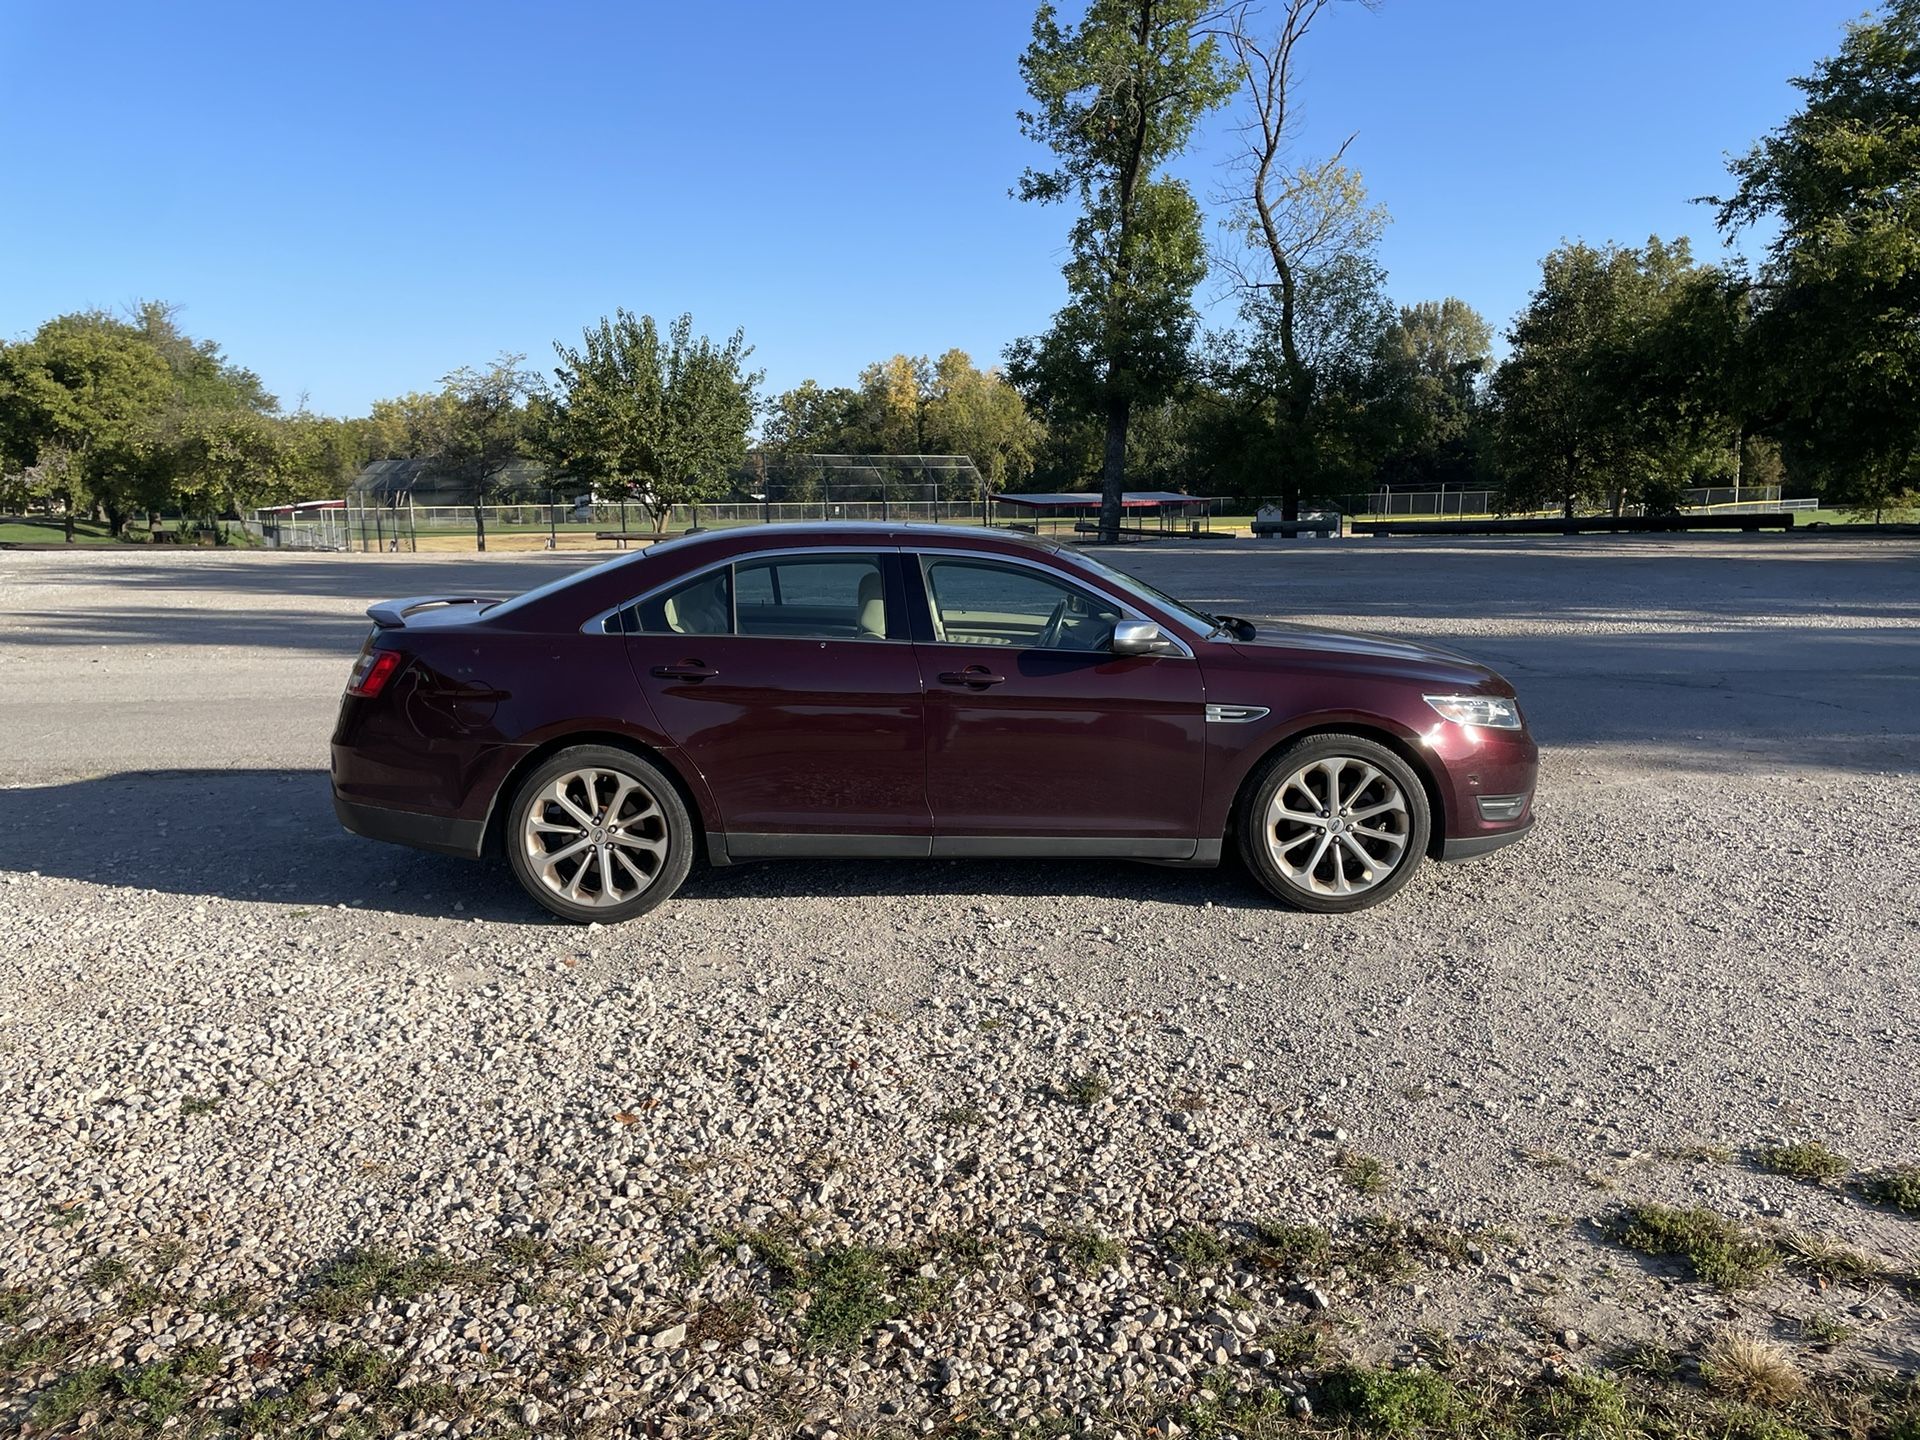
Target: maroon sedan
[898,690]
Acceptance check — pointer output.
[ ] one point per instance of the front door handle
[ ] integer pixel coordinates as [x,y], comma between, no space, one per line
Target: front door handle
[974,677]
[685,670]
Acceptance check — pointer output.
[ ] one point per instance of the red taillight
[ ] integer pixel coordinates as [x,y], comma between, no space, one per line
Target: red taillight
[372,671]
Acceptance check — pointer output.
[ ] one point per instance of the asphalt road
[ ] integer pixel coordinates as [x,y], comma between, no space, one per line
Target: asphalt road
[1709,653]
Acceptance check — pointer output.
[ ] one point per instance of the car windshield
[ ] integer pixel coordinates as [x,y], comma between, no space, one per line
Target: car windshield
[1140,590]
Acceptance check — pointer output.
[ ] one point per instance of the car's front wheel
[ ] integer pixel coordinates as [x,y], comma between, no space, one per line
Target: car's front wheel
[597,833]
[1334,823]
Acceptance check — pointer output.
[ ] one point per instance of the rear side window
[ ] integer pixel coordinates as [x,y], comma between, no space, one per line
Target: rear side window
[807,597]
[702,606]
[826,597]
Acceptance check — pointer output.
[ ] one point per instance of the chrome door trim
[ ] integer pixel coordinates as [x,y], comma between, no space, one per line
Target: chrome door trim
[1235,714]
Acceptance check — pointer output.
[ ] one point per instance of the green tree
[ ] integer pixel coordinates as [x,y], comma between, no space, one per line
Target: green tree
[976,413]
[811,419]
[663,419]
[407,427]
[1836,336]
[1594,404]
[1436,357]
[889,415]
[1116,98]
[484,431]
[76,403]
[221,460]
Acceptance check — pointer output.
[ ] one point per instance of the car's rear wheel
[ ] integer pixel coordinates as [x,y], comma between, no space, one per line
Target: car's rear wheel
[1334,823]
[597,833]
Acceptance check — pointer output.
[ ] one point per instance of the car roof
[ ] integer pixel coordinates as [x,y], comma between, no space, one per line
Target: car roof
[755,536]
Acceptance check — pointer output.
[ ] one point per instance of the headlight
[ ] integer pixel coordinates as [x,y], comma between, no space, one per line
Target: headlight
[1489,711]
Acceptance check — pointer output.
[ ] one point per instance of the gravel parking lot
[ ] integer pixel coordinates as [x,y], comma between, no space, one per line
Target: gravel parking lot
[297,1130]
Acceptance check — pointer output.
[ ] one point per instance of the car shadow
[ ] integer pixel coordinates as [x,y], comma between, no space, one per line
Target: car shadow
[270,836]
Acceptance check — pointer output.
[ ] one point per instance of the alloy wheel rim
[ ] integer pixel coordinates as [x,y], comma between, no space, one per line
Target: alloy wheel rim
[1338,826]
[595,837]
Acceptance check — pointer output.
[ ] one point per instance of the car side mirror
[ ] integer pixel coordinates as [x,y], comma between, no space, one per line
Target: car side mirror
[1139,637]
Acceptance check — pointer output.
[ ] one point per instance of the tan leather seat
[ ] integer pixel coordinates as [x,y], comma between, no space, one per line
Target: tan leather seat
[873,606]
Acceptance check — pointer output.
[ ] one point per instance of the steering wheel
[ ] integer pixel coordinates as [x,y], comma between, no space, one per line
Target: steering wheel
[1049,638]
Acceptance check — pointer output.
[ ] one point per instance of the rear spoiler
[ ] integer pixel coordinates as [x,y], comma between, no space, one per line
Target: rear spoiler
[392,614]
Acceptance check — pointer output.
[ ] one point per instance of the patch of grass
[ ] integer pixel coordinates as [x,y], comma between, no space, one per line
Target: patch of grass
[72,1396]
[1087,1249]
[585,1257]
[232,1304]
[15,1302]
[1388,1248]
[1591,1406]
[1363,1174]
[962,1117]
[1294,1347]
[1086,1091]
[1824,1330]
[1829,1259]
[773,1249]
[1281,1245]
[354,1279]
[1751,1369]
[848,1289]
[1898,1187]
[105,1273]
[1197,1248]
[1719,1252]
[1397,1402]
[192,1105]
[525,1250]
[1803,1160]
[727,1321]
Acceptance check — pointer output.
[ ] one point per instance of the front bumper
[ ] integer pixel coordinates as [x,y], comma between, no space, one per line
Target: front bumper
[1472,847]
[442,834]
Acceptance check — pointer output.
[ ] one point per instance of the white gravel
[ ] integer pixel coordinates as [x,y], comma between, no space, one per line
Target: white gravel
[240,1046]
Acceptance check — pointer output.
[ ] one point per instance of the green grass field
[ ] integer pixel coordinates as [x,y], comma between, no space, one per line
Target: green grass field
[85,532]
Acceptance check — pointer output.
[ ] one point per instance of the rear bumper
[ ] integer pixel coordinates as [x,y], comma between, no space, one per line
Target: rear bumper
[1472,847]
[443,834]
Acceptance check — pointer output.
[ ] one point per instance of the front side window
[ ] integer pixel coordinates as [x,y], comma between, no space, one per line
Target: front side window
[978,603]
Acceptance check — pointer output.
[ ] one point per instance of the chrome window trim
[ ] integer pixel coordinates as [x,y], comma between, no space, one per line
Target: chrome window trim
[597,625]
[1127,610]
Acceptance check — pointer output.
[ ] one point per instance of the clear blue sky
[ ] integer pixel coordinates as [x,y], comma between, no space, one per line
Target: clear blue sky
[355,198]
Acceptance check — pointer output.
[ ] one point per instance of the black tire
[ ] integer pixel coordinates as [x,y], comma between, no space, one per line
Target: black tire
[1332,760]
[651,814]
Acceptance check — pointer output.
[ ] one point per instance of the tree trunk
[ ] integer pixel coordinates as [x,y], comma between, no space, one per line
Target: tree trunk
[67,514]
[1113,470]
[480,527]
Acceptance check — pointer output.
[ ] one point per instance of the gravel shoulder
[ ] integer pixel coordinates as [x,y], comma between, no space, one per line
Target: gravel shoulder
[325,1134]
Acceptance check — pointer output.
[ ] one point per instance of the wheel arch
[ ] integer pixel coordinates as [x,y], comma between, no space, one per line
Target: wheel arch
[1375,731]
[493,843]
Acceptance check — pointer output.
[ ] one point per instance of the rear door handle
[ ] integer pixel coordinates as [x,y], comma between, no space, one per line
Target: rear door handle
[685,670]
[974,677]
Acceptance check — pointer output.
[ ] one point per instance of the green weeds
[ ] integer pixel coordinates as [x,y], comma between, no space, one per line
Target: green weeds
[1719,1252]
